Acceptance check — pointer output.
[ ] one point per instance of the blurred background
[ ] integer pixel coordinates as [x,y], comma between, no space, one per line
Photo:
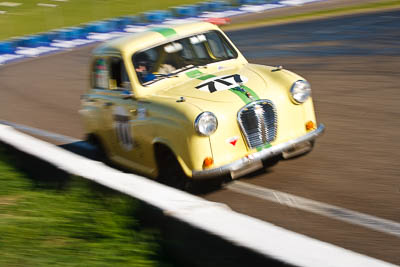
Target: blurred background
[348,49]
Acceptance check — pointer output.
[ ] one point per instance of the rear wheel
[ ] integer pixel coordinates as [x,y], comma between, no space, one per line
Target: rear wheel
[99,152]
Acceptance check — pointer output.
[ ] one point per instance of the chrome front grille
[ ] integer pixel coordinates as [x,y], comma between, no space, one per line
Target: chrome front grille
[258,122]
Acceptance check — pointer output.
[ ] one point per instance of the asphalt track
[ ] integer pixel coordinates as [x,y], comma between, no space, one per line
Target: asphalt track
[353,64]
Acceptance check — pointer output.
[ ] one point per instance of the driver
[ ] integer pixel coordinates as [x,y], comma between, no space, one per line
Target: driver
[142,67]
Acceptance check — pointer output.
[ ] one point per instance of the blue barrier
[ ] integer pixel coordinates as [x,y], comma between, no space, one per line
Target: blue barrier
[119,23]
[100,27]
[217,5]
[20,41]
[157,16]
[53,35]
[131,20]
[252,2]
[212,6]
[35,40]
[7,47]
[185,11]
[70,33]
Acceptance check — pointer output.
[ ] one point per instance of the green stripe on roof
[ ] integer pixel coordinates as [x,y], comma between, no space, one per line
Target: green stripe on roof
[206,77]
[199,75]
[194,74]
[166,32]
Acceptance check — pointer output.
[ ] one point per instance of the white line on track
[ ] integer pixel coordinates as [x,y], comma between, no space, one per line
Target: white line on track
[334,212]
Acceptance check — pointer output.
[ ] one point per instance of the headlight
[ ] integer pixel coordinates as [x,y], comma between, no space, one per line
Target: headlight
[206,123]
[300,91]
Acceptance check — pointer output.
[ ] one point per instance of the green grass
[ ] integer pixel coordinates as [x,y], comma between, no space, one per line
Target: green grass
[78,224]
[318,14]
[31,18]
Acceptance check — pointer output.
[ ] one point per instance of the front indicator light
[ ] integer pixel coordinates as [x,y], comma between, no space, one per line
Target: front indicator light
[310,126]
[208,162]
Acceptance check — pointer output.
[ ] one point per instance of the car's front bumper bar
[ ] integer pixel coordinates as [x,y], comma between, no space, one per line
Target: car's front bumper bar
[252,161]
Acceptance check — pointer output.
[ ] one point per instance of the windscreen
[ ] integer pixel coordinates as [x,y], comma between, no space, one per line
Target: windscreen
[173,57]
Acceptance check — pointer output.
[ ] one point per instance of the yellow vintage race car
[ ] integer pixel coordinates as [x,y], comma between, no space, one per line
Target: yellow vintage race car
[184,99]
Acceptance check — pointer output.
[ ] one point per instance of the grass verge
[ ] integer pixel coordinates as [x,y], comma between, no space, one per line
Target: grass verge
[385,4]
[32,17]
[69,222]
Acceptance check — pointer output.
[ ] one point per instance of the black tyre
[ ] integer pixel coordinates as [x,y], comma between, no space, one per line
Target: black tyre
[170,171]
[99,152]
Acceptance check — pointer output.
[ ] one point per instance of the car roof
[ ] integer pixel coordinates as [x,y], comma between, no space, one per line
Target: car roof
[153,36]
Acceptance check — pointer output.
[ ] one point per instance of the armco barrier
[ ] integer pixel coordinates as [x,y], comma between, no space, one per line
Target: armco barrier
[212,218]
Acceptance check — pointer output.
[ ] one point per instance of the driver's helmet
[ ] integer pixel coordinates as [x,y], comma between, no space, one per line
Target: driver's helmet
[143,59]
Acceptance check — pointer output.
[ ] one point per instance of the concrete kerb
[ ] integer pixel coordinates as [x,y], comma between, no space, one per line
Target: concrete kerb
[249,238]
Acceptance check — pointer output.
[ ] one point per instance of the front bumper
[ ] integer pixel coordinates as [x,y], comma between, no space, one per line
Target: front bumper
[253,162]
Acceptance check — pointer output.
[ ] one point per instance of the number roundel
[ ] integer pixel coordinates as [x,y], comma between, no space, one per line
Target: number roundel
[222,83]
[122,128]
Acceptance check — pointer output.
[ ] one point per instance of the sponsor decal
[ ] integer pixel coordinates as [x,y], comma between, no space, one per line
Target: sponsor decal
[221,83]
[101,73]
[122,128]
[232,140]
[141,113]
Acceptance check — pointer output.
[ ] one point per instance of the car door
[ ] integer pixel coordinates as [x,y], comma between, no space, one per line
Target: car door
[121,110]
[99,100]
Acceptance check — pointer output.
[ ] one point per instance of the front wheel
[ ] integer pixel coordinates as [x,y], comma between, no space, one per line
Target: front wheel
[170,171]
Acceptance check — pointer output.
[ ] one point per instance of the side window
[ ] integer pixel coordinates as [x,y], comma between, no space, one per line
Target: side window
[145,63]
[100,74]
[118,75]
